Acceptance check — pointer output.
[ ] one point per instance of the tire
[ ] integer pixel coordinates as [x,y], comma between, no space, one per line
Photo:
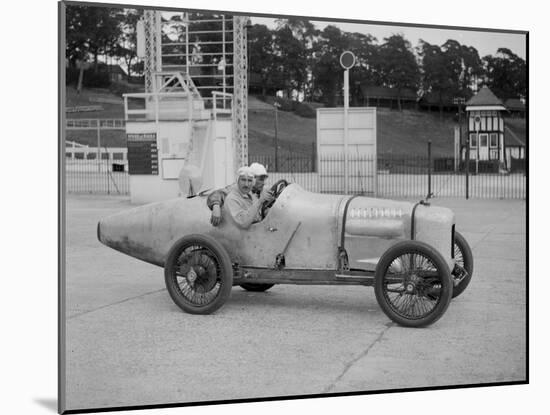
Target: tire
[413,284]
[256,287]
[198,274]
[464,265]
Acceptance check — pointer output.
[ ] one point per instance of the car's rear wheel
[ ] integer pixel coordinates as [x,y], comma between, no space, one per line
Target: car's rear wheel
[413,284]
[464,265]
[198,274]
[256,287]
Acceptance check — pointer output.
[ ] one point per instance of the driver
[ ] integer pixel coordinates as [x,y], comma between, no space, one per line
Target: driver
[216,199]
[243,207]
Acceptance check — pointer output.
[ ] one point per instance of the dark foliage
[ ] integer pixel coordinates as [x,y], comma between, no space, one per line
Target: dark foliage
[296,57]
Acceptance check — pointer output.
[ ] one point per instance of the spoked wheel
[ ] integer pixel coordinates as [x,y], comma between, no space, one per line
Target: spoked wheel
[464,265]
[413,284]
[198,274]
[256,287]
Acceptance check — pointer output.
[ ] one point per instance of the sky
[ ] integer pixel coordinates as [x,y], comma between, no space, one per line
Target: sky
[486,42]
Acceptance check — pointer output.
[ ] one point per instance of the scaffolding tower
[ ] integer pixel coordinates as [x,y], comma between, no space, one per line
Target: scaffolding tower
[211,50]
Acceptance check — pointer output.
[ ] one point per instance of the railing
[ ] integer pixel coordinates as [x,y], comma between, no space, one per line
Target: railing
[156,112]
[293,163]
[204,50]
[97,177]
[395,177]
[93,124]
[224,97]
[84,108]
[74,144]
[115,154]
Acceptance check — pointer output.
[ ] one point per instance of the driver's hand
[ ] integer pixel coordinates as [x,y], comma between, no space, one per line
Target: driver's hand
[216,216]
[266,197]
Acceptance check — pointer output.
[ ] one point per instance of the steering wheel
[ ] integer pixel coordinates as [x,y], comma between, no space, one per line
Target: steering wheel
[275,191]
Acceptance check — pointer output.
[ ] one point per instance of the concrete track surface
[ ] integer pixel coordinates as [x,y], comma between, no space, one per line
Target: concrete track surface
[128,344]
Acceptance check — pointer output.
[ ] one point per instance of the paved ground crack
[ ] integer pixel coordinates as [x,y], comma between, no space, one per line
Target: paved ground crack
[116,303]
[348,365]
[493,228]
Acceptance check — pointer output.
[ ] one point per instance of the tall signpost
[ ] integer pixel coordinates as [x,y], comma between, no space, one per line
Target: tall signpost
[347,61]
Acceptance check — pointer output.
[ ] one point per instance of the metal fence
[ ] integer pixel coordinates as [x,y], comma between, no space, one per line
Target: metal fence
[383,176]
[398,176]
[413,176]
[294,163]
[97,176]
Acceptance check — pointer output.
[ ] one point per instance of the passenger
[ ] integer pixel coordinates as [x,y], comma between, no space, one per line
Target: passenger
[216,199]
[260,176]
[243,207]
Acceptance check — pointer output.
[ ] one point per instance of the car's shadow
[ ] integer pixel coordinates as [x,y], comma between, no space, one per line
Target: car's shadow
[299,300]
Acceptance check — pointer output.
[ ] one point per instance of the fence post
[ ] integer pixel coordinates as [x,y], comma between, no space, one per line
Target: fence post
[276,138]
[467,166]
[429,169]
[313,157]
[374,168]
[107,176]
[98,146]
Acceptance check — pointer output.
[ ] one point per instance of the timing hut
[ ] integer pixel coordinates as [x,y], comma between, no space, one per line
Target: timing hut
[485,127]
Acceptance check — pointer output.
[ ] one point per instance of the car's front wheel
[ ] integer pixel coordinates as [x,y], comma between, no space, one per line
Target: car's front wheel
[464,265]
[413,284]
[198,274]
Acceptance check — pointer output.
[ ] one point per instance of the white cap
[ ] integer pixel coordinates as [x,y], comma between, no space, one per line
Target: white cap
[245,171]
[258,169]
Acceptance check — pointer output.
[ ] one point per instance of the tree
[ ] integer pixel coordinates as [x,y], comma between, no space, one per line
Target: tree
[307,35]
[452,54]
[126,47]
[473,70]
[290,59]
[464,65]
[261,57]
[366,56]
[506,74]
[396,65]
[138,68]
[92,31]
[450,70]
[327,70]
[436,73]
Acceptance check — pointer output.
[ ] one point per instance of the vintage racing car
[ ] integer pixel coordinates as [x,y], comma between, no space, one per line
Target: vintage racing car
[409,252]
